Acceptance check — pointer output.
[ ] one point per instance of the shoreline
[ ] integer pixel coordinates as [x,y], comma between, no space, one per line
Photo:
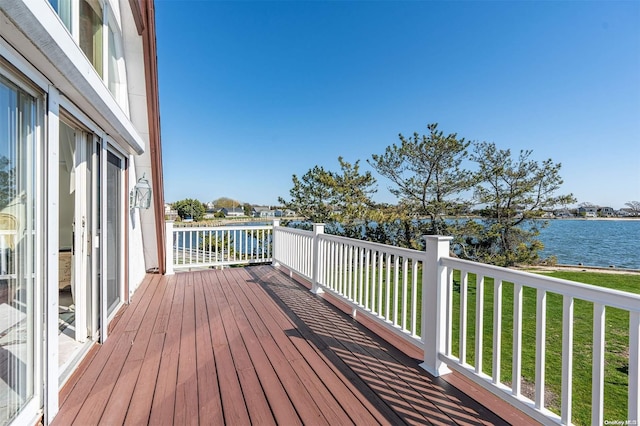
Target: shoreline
[579,268]
[633,218]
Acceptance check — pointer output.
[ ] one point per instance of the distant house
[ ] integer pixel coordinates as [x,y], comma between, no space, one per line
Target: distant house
[169,213]
[233,212]
[263,211]
[606,212]
[562,213]
[627,212]
[590,211]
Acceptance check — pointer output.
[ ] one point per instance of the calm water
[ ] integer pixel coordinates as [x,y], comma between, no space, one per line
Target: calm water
[593,242]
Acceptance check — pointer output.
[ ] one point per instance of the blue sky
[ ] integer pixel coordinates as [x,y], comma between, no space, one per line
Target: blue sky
[254,92]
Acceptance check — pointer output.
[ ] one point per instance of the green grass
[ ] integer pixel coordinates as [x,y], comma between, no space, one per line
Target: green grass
[616,337]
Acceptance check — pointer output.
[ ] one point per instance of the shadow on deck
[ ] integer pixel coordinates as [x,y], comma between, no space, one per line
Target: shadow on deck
[251,346]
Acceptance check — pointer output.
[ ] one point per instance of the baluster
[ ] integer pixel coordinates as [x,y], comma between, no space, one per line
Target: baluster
[372,281]
[396,280]
[388,288]
[634,366]
[597,377]
[463,317]
[367,273]
[567,358]
[449,309]
[516,386]
[414,296]
[479,321]
[380,280]
[541,342]
[405,284]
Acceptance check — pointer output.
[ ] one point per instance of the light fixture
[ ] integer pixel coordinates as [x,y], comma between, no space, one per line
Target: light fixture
[140,195]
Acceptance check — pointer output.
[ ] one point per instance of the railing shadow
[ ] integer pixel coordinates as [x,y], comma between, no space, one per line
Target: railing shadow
[392,381]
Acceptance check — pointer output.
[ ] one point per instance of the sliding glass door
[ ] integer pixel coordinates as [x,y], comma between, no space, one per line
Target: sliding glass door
[77,295]
[19,315]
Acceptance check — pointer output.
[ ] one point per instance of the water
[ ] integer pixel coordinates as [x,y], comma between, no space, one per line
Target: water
[593,242]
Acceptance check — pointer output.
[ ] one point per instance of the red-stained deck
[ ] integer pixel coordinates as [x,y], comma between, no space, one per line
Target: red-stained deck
[250,345]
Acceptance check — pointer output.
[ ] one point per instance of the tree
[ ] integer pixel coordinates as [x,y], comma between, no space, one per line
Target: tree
[224,202]
[428,177]
[189,208]
[634,206]
[221,244]
[513,192]
[587,204]
[350,196]
[7,181]
[340,200]
[310,196]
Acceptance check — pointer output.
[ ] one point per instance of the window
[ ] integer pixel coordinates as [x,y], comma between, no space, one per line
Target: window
[91,32]
[115,71]
[63,8]
[96,18]
[18,134]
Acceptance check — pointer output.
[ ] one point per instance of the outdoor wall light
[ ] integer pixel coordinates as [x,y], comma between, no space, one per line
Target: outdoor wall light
[140,196]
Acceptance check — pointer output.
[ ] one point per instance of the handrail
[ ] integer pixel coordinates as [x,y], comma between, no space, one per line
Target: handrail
[591,293]
[217,246]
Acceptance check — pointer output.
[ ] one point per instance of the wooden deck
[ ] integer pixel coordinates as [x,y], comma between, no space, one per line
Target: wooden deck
[250,345]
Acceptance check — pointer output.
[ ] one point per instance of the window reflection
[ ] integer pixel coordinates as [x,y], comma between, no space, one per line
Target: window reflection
[63,8]
[17,191]
[91,32]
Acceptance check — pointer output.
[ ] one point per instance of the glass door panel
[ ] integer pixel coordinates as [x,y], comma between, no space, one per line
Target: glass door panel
[18,316]
[114,232]
[76,282]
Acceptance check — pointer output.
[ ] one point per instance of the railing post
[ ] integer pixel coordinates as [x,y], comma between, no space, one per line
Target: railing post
[168,261]
[274,254]
[634,367]
[434,304]
[318,228]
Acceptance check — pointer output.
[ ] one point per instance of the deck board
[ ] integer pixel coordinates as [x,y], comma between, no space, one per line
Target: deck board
[252,346]
[209,403]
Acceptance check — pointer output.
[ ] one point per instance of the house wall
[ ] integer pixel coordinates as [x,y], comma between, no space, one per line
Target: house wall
[37,50]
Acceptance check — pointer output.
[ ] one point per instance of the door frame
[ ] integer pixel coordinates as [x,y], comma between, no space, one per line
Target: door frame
[105,317]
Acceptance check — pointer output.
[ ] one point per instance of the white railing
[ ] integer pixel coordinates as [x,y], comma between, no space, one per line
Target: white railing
[382,281]
[473,278]
[294,249]
[412,293]
[200,247]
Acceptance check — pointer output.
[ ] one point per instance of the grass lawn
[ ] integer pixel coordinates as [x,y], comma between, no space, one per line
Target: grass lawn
[616,337]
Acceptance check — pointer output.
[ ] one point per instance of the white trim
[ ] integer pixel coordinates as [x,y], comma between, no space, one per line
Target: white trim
[51,263]
[104,320]
[41,188]
[24,67]
[96,146]
[57,54]
[80,243]
[115,148]
[30,413]
[76,114]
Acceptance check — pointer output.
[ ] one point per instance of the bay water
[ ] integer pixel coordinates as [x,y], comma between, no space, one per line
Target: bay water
[593,242]
[590,242]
